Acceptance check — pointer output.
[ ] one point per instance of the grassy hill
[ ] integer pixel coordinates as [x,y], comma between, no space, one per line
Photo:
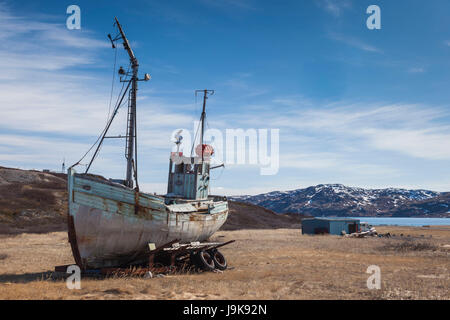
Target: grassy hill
[249,216]
[31,201]
[35,201]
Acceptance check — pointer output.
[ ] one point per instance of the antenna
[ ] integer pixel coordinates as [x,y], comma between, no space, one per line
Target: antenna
[178,138]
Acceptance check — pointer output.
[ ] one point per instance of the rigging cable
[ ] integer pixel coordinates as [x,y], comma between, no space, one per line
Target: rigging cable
[196,133]
[123,84]
[103,133]
[220,175]
[101,145]
[106,127]
[195,138]
[112,84]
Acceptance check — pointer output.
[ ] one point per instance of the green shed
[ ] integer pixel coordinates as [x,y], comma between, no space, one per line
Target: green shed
[330,226]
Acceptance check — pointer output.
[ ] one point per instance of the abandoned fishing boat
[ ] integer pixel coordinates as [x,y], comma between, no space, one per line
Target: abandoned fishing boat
[111,222]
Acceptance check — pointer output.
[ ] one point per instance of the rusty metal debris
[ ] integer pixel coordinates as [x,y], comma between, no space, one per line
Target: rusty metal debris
[170,258]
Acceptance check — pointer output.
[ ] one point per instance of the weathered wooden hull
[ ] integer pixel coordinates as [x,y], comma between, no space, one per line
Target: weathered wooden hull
[111,225]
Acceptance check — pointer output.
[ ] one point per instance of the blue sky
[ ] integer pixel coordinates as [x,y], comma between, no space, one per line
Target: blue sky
[366,108]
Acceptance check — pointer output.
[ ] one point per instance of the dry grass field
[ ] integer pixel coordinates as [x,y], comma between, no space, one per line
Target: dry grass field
[265,264]
[270,259]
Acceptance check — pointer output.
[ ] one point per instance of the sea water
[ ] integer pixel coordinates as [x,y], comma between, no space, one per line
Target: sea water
[415,222]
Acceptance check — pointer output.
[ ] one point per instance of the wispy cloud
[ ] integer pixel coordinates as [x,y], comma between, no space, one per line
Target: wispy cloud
[416,70]
[356,143]
[354,42]
[49,110]
[241,81]
[232,4]
[51,34]
[413,130]
[334,7]
[430,143]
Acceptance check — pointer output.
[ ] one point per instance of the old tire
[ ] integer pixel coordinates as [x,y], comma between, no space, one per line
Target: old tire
[219,260]
[205,261]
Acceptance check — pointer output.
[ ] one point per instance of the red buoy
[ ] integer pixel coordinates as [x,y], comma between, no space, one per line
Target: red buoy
[207,150]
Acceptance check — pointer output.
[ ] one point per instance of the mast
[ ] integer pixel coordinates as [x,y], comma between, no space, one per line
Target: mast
[202,119]
[203,116]
[131,144]
[131,132]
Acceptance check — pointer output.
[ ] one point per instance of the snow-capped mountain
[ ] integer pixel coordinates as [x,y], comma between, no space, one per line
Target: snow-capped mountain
[340,200]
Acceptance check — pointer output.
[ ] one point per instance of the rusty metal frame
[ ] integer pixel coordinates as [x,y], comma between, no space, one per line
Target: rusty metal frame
[176,252]
[153,253]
